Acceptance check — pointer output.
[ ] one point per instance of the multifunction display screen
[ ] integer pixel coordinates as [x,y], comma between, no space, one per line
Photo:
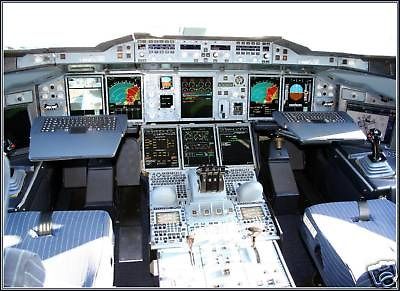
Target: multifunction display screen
[235,145]
[198,146]
[160,148]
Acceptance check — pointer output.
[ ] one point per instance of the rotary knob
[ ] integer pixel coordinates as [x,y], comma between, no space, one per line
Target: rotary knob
[239,80]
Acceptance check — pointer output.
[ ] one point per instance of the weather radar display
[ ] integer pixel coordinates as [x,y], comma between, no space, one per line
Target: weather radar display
[264,95]
[125,96]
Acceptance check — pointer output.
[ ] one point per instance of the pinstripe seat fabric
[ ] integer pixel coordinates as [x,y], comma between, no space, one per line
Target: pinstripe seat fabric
[22,269]
[80,251]
[343,249]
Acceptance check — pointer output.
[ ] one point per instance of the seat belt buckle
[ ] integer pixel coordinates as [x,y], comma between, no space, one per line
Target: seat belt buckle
[383,274]
[45,226]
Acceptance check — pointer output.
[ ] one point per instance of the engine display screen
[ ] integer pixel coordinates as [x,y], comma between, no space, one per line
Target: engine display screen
[264,95]
[251,212]
[235,145]
[198,146]
[85,95]
[298,93]
[160,148]
[368,117]
[125,96]
[196,97]
[168,217]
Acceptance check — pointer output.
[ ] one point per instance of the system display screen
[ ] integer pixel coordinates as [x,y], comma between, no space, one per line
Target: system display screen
[235,145]
[125,96]
[371,117]
[198,146]
[264,95]
[167,217]
[196,97]
[298,94]
[85,95]
[160,148]
[251,212]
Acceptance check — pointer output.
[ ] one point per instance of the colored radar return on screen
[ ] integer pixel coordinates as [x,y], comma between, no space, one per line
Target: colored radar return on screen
[125,96]
[264,95]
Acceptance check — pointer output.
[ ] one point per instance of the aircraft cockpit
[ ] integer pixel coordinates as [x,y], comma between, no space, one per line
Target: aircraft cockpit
[186,161]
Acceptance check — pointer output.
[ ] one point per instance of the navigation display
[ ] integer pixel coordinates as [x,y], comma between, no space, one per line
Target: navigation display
[264,95]
[85,95]
[298,93]
[125,96]
[368,117]
[168,217]
[196,97]
[198,146]
[160,148]
[235,145]
[251,212]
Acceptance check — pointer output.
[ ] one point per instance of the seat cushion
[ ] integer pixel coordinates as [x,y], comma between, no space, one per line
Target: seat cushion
[79,252]
[343,249]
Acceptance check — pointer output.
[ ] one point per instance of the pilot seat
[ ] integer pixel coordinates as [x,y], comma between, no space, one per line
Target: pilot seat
[79,251]
[353,243]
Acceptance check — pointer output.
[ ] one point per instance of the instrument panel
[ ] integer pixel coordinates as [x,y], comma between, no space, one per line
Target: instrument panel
[174,79]
[206,95]
[167,96]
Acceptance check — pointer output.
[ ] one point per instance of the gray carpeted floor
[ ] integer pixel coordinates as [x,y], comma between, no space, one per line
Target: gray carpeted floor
[293,249]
